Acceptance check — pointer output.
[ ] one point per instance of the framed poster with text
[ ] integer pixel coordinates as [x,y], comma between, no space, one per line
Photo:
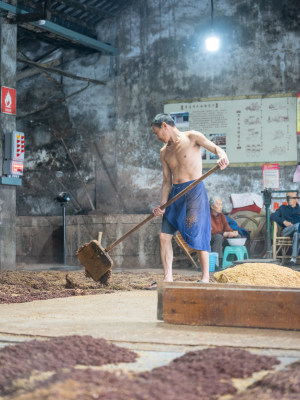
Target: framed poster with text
[250,129]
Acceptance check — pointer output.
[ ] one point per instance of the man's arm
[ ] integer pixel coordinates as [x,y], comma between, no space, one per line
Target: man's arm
[166,184]
[167,179]
[201,140]
[279,217]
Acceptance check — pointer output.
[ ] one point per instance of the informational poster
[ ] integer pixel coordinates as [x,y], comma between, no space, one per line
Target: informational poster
[8,100]
[250,130]
[271,178]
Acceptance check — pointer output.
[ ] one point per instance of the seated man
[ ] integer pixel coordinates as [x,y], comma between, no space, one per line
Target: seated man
[288,217]
[220,228]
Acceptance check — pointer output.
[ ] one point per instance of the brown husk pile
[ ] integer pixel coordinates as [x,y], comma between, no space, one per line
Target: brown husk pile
[24,286]
[259,274]
[64,369]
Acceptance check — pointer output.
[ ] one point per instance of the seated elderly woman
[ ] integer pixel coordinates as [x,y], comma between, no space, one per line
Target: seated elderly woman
[220,228]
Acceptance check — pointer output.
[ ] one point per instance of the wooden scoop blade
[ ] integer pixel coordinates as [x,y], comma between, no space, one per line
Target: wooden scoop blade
[95,259]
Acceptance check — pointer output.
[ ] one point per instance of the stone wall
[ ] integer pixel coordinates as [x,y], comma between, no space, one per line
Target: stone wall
[40,239]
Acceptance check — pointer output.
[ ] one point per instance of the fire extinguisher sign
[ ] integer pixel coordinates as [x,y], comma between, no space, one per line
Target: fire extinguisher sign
[8,100]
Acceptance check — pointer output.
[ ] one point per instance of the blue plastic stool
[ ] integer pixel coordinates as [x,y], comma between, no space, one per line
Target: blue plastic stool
[213,261]
[240,252]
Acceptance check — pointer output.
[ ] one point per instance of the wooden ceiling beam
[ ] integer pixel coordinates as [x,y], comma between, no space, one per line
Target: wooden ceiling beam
[75,37]
[85,7]
[60,72]
[56,15]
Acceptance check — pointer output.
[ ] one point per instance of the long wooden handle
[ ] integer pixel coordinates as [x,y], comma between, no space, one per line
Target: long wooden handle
[164,206]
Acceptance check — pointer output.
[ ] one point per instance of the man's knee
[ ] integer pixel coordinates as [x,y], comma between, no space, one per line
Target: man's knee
[290,230]
[165,238]
[295,236]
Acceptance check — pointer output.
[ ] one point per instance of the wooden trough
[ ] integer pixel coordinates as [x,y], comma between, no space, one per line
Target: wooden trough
[229,305]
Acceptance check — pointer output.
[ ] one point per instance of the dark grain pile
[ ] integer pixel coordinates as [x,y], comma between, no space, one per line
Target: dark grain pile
[21,360]
[24,286]
[204,374]
[283,385]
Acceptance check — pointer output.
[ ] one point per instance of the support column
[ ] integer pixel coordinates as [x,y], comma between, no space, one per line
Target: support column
[8,51]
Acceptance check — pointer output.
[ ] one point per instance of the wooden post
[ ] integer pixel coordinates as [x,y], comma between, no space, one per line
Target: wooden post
[8,51]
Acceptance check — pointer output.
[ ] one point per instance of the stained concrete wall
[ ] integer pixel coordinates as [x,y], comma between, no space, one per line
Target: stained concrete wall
[39,239]
[162,57]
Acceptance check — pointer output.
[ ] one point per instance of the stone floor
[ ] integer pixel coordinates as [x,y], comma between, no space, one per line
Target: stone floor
[128,319]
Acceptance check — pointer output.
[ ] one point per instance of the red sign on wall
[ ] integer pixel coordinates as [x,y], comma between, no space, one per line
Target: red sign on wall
[8,100]
[271,176]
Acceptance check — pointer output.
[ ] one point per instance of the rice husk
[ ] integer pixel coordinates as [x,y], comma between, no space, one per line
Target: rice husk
[259,274]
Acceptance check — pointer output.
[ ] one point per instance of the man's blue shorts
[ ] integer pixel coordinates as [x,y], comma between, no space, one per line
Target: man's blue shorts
[190,214]
[166,227]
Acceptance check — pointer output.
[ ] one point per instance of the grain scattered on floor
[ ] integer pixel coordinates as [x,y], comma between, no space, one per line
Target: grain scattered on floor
[25,286]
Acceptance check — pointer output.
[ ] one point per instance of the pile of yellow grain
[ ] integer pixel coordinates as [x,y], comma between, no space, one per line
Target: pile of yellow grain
[259,274]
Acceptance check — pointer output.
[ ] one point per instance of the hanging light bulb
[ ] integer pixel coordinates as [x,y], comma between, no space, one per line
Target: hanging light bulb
[212,42]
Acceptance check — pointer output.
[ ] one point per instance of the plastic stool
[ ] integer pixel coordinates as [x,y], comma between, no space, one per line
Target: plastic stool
[213,261]
[240,252]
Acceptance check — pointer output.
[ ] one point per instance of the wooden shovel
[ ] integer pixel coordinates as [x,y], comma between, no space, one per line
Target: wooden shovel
[95,258]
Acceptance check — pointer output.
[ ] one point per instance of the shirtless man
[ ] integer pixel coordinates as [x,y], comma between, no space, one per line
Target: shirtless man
[182,164]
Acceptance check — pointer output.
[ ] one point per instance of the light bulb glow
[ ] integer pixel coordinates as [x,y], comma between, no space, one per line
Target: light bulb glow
[212,43]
